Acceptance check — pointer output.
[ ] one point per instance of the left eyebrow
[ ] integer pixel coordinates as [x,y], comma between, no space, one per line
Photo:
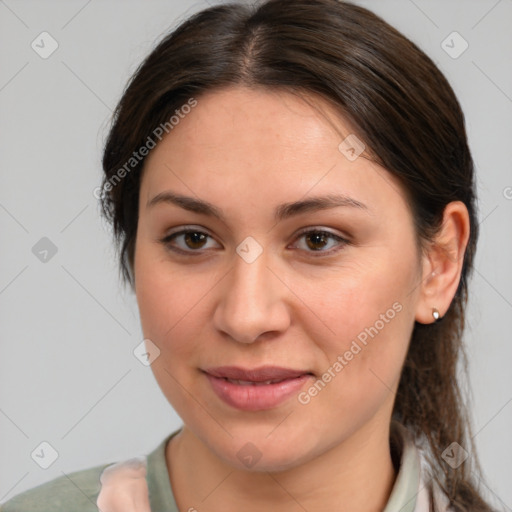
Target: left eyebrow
[287,210]
[281,212]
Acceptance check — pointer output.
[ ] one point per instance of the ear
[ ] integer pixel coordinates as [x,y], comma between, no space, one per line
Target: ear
[442,263]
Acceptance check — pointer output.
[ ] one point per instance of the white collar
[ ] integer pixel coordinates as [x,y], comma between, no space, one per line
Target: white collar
[413,483]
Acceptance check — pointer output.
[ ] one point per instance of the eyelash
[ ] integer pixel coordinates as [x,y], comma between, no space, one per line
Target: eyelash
[166,241]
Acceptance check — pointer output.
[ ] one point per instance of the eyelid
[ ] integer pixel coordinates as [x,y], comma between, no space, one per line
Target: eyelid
[321,229]
[188,227]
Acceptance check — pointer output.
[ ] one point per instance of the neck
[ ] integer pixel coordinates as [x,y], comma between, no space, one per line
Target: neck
[357,475]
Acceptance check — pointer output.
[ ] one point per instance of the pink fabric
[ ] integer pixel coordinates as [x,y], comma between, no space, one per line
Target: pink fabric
[124,487]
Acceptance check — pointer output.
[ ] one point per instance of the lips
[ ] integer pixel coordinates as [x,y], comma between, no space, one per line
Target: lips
[264,374]
[257,389]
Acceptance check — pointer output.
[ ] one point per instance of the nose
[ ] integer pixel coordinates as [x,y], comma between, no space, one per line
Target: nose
[252,301]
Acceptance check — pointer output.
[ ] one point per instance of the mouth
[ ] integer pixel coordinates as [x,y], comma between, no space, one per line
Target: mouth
[256,389]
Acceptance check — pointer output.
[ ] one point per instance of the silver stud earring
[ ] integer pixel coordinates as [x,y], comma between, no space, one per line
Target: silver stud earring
[435,314]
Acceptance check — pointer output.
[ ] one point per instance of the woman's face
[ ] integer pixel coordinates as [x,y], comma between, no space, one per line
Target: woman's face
[251,289]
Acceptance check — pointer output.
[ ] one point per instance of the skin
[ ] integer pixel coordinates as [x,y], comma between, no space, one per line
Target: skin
[247,151]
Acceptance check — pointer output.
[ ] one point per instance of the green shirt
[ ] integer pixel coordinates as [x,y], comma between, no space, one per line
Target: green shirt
[79,491]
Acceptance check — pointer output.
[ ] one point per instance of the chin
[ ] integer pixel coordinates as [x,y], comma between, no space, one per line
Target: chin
[252,449]
[268,461]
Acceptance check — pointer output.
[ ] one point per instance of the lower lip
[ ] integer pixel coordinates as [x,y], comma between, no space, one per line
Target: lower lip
[257,397]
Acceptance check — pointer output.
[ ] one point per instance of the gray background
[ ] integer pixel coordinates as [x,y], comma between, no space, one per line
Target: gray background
[67,328]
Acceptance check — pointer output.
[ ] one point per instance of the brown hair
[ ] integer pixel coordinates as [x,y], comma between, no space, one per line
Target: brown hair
[400,105]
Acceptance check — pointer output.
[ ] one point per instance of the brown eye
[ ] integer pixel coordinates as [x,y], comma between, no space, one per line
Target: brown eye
[318,240]
[187,241]
[194,239]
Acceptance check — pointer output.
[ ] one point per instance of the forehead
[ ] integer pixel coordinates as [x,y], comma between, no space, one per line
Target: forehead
[261,143]
[239,121]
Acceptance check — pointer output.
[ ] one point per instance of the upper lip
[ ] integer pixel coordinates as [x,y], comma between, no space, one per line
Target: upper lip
[261,374]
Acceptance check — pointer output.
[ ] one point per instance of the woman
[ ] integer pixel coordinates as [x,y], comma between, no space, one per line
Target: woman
[293,196]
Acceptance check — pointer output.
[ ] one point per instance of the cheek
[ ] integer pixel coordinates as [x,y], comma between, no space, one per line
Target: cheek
[358,299]
[370,324]
[165,293]
[170,305]
[175,311]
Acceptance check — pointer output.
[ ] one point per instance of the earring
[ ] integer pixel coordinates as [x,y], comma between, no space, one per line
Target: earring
[435,314]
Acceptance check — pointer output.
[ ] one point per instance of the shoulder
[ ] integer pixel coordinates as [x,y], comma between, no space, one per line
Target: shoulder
[75,491]
[79,491]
